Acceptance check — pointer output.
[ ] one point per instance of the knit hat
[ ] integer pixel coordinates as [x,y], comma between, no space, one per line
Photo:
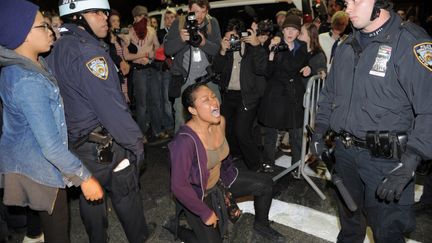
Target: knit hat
[284,13]
[16,18]
[139,10]
[292,21]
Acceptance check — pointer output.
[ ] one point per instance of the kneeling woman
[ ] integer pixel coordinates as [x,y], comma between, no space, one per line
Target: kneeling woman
[199,161]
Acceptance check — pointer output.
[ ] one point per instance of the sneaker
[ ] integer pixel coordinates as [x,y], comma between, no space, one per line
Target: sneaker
[266,168]
[38,239]
[268,233]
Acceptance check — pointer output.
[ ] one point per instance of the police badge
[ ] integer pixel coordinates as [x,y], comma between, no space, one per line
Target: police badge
[98,67]
[423,52]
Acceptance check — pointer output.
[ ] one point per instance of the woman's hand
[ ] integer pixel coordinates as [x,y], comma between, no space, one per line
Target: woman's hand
[92,190]
[275,41]
[306,71]
[212,221]
[124,67]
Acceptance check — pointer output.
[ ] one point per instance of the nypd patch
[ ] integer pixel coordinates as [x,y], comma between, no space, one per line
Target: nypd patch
[98,67]
[423,52]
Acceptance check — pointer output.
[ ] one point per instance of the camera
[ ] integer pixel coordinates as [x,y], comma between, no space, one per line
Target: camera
[265,27]
[209,77]
[245,34]
[192,26]
[119,31]
[280,47]
[235,43]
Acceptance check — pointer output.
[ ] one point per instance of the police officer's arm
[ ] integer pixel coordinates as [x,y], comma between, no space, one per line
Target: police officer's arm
[325,103]
[174,43]
[100,82]
[415,72]
[33,98]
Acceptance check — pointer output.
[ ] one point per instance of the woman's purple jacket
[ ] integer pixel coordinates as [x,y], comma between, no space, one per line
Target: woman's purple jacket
[189,173]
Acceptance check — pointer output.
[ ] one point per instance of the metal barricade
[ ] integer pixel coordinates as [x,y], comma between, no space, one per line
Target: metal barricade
[310,100]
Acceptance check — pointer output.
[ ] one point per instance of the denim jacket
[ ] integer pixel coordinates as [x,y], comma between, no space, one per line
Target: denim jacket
[34,139]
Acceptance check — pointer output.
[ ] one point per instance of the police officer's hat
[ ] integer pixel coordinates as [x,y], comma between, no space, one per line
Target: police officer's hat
[67,7]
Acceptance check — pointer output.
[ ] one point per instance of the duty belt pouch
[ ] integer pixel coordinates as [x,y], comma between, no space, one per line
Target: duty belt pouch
[371,143]
[386,145]
[104,145]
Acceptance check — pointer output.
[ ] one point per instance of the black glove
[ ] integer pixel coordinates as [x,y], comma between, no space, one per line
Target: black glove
[395,182]
[317,145]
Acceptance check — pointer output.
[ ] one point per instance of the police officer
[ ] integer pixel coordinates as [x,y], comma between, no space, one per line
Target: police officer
[377,98]
[96,111]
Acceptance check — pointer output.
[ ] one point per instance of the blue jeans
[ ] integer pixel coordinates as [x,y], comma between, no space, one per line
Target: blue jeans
[154,98]
[141,82]
[167,118]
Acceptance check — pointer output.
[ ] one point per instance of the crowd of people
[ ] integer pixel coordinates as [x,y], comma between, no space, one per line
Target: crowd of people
[82,94]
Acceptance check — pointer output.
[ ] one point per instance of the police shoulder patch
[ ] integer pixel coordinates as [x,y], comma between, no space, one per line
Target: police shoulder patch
[98,67]
[423,52]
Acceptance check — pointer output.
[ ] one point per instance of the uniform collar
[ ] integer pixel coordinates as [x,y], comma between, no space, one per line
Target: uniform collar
[386,35]
[84,36]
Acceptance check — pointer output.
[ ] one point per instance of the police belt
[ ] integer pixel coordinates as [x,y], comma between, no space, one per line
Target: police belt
[381,144]
[103,140]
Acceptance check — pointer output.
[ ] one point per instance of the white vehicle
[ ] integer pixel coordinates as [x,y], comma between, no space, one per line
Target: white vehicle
[225,10]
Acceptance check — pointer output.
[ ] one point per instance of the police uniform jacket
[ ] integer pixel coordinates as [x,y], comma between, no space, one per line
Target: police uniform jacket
[385,86]
[90,88]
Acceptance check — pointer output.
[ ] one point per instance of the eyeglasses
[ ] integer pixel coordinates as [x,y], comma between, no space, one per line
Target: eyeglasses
[44,25]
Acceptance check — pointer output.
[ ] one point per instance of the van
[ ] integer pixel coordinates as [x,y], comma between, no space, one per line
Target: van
[225,10]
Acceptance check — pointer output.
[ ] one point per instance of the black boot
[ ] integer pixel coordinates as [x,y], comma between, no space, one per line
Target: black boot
[267,232]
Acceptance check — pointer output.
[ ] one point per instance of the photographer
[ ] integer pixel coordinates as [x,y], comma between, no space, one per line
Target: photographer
[193,49]
[242,63]
[282,104]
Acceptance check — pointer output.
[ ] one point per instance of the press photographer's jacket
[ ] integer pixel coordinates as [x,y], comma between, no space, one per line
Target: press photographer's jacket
[253,69]
[175,47]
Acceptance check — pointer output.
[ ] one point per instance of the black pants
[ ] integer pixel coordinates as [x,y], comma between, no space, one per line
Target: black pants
[362,174]
[270,141]
[123,189]
[56,226]
[247,183]
[239,129]
[427,190]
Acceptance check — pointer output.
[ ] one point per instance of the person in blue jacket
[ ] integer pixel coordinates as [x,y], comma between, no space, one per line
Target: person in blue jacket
[101,129]
[35,163]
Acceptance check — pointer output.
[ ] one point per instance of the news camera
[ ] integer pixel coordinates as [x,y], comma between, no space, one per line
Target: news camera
[280,47]
[192,26]
[119,31]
